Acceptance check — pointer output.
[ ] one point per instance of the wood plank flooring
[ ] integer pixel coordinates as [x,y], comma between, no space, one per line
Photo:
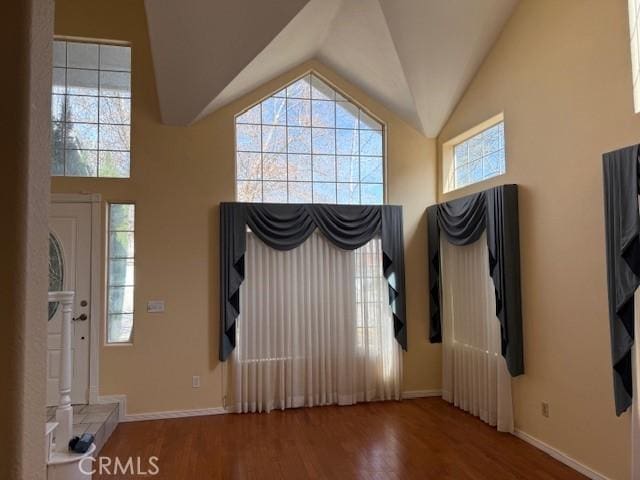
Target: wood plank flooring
[413,439]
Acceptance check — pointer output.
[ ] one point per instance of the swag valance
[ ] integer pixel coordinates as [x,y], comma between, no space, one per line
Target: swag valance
[463,221]
[286,226]
[622,231]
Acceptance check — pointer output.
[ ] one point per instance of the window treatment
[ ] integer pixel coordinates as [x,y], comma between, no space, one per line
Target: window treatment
[635,408]
[474,374]
[286,226]
[463,221]
[622,232]
[315,328]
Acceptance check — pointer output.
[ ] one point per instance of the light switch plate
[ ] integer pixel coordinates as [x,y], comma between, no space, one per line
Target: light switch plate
[155,306]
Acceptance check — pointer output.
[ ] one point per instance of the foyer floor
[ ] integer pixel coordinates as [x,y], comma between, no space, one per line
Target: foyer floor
[413,439]
[100,420]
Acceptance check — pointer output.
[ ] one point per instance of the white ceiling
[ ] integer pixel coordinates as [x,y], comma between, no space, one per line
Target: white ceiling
[414,56]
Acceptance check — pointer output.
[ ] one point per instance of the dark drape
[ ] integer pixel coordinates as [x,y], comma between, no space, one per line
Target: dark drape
[622,231]
[463,221]
[286,226]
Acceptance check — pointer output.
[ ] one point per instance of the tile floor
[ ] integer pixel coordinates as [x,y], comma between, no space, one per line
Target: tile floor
[100,420]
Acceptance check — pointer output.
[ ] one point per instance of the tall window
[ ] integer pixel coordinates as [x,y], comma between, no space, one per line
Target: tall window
[121,277]
[316,327]
[91,109]
[309,144]
[634,31]
[476,155]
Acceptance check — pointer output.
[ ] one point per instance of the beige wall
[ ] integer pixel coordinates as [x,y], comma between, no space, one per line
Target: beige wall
[25,42]
[179,176]
[561,73]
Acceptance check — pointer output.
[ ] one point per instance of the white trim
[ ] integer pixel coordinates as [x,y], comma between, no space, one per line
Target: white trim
[408,394]
[137,417]
[348,97]
[95,318]
[473,131]
[540,445]
[121,400]
[96,297]
[76,198]
[446,162]
[560,456]
[107,232]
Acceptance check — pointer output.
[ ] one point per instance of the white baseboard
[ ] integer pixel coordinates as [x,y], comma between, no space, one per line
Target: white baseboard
[421,394]
[540,445]
[138,417]
[560,456]
[409,394]
[121,400]
[94,395]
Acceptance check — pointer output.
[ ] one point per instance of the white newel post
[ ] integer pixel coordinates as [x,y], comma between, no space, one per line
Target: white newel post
[64,412]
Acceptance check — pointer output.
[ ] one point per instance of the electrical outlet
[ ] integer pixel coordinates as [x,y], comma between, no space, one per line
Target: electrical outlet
[195,381]
[545,409]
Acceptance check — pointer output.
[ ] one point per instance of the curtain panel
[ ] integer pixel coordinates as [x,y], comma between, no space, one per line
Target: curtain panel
[622,232]
[315,328]
[462,221]
[474,373]
[287,226]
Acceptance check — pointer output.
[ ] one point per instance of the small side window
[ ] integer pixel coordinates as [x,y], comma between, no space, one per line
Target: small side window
[121,273]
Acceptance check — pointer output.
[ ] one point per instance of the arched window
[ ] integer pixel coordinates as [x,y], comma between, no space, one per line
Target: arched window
[307,143]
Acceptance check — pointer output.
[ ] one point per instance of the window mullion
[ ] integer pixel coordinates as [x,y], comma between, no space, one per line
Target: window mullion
[88,61]
[320,164]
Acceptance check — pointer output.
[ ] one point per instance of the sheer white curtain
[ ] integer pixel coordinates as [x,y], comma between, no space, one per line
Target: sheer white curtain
[315,328]
[475,375]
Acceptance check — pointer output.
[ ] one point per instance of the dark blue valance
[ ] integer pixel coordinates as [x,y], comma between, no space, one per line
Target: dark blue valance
[286,226]
[463,221]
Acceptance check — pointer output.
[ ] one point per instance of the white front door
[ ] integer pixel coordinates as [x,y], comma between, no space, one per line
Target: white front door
[70,225]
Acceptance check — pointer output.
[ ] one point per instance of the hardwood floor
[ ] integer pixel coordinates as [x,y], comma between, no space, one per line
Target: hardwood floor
[413,439]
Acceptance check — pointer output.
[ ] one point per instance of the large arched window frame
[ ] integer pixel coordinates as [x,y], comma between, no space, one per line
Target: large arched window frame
[309,143]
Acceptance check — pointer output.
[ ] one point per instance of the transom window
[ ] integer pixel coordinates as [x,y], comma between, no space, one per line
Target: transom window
[91,109]
[476,155]
[308,143]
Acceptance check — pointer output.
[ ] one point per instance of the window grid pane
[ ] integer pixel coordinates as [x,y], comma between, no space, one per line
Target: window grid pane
[309,144]
[479,157]
[91,110]
[121,273]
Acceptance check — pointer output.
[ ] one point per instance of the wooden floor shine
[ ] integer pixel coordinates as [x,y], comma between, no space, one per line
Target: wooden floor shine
[413,439]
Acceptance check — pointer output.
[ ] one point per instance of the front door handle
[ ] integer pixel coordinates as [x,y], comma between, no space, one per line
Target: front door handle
[81,318]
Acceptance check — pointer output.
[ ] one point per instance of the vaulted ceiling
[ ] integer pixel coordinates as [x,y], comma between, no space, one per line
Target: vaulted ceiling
[414,56]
